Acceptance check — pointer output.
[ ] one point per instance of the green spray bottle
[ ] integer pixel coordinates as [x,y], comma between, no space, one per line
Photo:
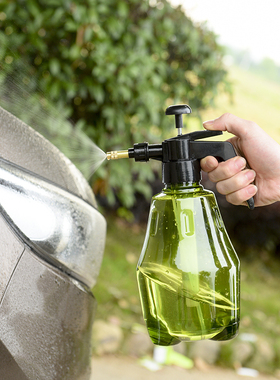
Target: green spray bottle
[188,272]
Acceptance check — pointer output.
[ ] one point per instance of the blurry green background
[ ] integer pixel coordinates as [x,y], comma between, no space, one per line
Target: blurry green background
[100,73]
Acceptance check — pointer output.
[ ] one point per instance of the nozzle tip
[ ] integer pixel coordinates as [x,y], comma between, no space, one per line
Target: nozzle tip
[117,154]
[109,155]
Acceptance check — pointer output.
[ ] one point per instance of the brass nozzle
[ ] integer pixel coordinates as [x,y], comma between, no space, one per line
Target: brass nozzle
[117,154]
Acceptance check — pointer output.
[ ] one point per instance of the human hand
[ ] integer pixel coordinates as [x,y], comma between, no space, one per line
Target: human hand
[258,161]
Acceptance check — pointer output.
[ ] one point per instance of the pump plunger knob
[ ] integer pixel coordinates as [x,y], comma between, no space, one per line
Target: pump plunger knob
[178,110]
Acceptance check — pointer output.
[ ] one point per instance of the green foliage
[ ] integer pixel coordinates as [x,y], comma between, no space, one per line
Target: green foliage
[113,65]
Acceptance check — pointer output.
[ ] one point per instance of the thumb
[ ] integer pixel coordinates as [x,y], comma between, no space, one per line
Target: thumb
[230,123]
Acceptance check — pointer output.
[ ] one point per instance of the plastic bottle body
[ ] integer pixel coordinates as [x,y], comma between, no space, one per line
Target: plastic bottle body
[188,272]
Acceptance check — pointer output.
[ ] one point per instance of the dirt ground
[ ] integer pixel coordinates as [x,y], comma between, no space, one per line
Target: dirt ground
[126,368]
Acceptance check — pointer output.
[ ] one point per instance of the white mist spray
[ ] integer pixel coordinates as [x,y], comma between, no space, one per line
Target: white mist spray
[21,96]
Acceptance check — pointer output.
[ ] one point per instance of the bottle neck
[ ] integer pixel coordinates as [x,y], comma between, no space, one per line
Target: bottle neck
[183,186]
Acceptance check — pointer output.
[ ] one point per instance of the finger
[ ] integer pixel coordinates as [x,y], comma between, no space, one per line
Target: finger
[239,181]
[227,169]
[241,196]
[208,164]
[231,123]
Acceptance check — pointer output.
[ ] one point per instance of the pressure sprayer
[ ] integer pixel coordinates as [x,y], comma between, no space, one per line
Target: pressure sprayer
[188,272]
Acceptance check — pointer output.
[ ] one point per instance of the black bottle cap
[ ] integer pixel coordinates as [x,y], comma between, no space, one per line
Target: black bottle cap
[181,172]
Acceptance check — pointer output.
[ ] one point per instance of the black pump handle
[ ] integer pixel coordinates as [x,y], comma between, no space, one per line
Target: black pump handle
[222,150]
[178,110]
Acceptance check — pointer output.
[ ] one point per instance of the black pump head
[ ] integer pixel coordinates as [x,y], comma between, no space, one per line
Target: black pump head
[181,155]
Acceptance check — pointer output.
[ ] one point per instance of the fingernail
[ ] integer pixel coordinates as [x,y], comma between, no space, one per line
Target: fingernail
[208,123]
[251,190]
[240,163]
[208,163]
[251,175]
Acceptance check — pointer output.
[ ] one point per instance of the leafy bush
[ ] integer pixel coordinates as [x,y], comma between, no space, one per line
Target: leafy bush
[113,66]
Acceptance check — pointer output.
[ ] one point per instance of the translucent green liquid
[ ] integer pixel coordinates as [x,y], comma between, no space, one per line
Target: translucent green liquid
[188,272]
[173,313]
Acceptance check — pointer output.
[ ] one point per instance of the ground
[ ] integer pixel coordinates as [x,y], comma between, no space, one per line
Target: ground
[126,368]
